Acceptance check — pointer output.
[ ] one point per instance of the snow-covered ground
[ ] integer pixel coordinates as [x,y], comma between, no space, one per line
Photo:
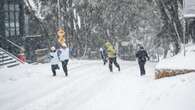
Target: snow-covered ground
[180,61]
[90,86]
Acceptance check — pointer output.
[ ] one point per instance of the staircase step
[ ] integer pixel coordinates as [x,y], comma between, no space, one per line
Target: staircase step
[2,54]
[13,65]
[3,57]
[2,64]
[5,60]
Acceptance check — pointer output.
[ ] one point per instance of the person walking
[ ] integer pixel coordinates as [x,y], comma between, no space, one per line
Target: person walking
[64,57]
[103,55]
[54,60]
[142,55]
[111,52]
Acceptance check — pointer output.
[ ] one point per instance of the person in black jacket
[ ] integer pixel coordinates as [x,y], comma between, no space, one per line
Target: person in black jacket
[142,55]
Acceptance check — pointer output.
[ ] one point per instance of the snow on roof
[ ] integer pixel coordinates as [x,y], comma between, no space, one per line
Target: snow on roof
[179,61]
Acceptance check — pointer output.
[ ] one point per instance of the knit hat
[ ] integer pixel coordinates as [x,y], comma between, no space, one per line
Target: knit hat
[53,48]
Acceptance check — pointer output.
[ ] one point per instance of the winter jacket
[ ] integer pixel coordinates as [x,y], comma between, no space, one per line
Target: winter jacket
[22,57]
[111,52]
[54,58]
[141,55]
[63,54]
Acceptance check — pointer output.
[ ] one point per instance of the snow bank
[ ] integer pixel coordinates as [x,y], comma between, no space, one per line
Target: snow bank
[179,61]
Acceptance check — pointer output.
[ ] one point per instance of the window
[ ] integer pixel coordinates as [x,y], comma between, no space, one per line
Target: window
[12,13]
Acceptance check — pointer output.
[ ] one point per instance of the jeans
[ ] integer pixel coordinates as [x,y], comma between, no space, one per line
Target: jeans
[64,66]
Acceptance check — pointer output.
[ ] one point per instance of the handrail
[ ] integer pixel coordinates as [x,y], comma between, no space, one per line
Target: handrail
[11,55]
[11,42]
[14,44]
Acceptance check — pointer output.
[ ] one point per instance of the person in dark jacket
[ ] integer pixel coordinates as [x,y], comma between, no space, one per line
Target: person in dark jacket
[103,55]
[142,55]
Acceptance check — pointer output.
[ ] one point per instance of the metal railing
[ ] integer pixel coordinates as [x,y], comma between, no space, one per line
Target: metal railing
[10,54]
[6,43]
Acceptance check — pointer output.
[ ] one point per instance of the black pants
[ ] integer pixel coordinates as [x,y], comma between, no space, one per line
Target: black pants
[64,66]
[113,60]
[142,68]
[53,68]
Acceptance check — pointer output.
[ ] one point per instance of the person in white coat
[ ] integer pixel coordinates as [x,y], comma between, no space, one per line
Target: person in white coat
[54,60]
[64,57]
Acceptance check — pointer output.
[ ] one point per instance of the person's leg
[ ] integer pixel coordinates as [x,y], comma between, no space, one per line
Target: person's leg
[142,70]
[140,67]
[104,60]
[57,66]
[102,56]
[53,70]
[64,66]
[110,64]
[116,64]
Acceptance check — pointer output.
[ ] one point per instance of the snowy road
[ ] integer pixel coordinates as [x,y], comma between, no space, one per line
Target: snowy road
[90,86]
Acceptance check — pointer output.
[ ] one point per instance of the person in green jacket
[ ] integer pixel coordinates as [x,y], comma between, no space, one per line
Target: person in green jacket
[111,53]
